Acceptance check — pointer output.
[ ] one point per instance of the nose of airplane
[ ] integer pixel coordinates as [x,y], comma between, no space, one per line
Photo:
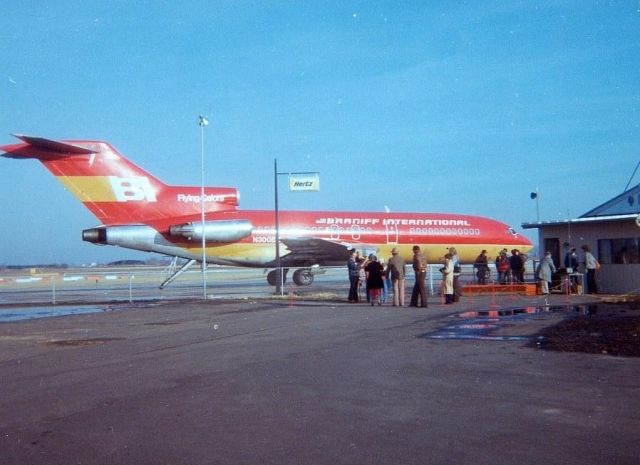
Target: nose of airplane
[524,243]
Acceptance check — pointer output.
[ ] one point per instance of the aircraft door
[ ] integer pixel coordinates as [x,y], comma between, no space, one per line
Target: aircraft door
[392,233]
[335,232]
[552,244]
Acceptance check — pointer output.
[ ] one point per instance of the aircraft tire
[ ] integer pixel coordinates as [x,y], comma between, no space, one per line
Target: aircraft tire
[272,276]
[302,277]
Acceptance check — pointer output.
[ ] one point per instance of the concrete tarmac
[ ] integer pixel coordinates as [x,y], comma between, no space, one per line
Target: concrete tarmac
[306,382]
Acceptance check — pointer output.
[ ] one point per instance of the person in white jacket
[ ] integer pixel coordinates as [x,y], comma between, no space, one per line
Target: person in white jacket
[447,278]
[545,271]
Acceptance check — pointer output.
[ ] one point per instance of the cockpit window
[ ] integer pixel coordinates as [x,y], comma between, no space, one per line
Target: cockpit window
[512,231]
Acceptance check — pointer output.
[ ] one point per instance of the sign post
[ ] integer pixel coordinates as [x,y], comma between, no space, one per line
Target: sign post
[298,182]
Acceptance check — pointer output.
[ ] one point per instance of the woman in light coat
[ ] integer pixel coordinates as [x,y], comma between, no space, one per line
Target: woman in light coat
[545,271]
[457,270]
[447,278]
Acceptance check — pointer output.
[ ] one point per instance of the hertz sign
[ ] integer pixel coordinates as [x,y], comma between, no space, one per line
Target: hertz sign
[304,183]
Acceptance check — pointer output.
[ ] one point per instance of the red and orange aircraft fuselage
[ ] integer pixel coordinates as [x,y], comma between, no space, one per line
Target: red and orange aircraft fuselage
[138,211]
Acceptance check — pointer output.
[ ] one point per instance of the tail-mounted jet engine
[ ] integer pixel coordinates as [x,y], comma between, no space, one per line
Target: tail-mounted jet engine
[214,231]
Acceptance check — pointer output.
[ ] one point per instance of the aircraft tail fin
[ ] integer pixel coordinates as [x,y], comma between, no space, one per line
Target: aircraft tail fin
[114,189]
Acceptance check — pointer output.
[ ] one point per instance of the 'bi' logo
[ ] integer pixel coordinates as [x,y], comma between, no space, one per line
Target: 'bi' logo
[131,189]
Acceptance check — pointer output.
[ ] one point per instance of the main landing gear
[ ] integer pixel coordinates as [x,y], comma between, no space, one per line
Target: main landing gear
[272,276]
[301,277]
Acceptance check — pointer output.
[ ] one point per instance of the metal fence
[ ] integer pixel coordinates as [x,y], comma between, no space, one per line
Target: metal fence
[126,285]
[132,284]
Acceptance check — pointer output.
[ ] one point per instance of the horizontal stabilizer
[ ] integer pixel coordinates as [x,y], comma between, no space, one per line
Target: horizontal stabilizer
[53,145]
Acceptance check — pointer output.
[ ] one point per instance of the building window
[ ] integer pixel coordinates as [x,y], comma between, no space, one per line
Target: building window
[619,251]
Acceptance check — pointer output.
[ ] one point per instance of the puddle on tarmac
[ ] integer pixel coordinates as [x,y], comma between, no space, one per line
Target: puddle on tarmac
[30,313]
[501,324]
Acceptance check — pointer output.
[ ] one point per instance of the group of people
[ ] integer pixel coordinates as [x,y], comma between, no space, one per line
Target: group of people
[369,270]
[546,269]
[375,275]
[510,268]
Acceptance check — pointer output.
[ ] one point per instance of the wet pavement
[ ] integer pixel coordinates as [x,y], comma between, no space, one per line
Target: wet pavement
[315,382]
[495,324]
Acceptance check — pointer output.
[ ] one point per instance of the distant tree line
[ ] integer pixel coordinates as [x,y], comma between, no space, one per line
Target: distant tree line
[154,261]
[45,265]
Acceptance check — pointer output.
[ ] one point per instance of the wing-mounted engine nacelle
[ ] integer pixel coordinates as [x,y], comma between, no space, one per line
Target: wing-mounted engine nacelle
[214,231]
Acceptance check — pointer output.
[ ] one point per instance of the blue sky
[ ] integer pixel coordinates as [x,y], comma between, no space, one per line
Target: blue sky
[434,106]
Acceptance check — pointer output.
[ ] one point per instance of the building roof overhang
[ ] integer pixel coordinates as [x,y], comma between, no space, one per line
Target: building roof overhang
[583,220]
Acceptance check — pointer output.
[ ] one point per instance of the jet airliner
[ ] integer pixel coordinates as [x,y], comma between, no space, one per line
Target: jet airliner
[135,210]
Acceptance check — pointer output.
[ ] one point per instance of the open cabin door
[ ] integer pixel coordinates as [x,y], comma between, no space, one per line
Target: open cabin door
[392,233]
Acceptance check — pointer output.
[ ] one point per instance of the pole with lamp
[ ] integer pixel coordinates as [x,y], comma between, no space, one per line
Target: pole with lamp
[202,122]
[278,263]
[534,196]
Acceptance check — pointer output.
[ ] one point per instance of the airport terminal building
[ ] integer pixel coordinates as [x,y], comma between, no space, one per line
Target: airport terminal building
[611,230]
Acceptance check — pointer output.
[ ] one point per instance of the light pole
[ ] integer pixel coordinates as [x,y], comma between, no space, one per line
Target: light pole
[278,264]
[535,196]
[202,122]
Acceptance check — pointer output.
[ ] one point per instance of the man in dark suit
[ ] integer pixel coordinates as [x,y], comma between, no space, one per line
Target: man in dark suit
[420,269]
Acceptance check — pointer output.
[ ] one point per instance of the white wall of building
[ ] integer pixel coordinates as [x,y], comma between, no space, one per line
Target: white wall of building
[611,278]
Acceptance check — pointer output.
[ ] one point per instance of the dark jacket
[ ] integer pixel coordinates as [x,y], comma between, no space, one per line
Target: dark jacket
[516,262]
[419,262]
[353,267]
[571,261]
[374,275]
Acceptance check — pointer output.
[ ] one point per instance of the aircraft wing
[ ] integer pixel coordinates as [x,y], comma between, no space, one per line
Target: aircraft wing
[313,251]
